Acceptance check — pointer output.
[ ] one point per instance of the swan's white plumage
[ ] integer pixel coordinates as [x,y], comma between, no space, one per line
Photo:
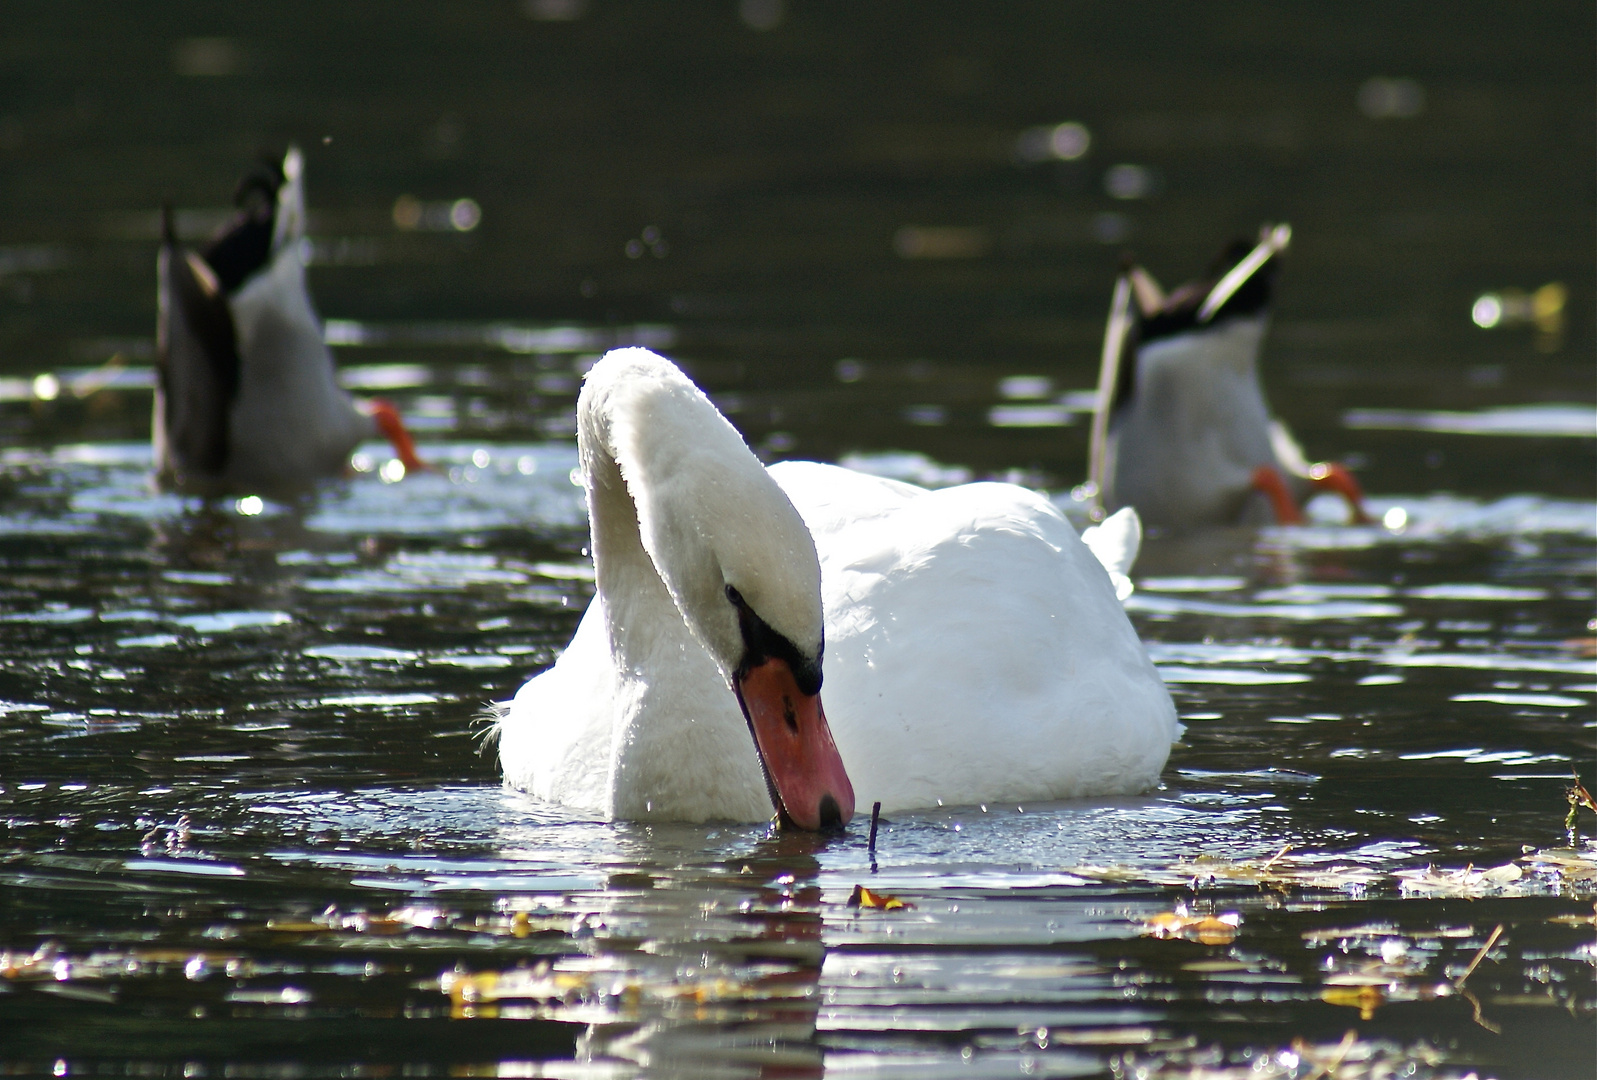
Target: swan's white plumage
[974,647]
[1116,541]
[697,499]
[636,718]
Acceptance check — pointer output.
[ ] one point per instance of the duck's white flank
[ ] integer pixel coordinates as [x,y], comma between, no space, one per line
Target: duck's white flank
[1185,448]
[291,420]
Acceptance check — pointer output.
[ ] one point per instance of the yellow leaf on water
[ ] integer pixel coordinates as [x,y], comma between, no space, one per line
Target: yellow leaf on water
[1205,929]
[1215,932]
[292,926]
[1216,966]
[469,988]
[862,897]
[1366,999]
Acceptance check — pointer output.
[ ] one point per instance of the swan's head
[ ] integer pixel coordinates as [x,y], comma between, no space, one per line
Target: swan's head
[735,557]
[778,687]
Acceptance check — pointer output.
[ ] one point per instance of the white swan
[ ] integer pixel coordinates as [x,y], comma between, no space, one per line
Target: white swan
[974,647]
[246,396]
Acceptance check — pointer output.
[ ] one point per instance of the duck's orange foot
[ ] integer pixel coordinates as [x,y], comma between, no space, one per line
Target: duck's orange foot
[1268,479]
[1333,477]
[393,429]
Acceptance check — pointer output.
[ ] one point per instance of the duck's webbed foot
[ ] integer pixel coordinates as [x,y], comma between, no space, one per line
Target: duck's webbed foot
[1268,479]
[393,429]
[1333,477]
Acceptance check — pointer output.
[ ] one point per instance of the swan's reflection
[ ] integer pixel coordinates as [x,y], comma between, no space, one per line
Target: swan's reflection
[695,965]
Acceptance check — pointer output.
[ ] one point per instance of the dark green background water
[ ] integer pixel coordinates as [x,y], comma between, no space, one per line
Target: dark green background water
[778,167]
[245,828]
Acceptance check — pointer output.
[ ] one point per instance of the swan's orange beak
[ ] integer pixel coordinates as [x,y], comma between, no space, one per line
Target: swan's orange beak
[802,766]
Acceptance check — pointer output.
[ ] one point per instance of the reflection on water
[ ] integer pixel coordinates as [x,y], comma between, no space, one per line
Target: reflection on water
[1573,421]
[245,796]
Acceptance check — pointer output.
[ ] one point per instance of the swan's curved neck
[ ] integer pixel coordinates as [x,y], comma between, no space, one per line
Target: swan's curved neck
[698,551]
[675,495]
[641,616]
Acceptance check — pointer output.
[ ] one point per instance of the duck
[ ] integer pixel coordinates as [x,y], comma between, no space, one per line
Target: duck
[974,647]
[1181,429]
[246,396]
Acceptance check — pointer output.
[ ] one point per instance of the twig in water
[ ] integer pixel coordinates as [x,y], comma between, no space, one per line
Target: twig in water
[1271,860]
[1475,1002]
[1326,1068]
[95,381]
[1458,983]
[876,816]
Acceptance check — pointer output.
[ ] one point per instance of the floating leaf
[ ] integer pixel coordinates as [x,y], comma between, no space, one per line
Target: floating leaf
[1570,864]
[862,897]
[1576,920]
[1207,929]
[1366,999]
[1567,870]
[1276,872]
[1468,881]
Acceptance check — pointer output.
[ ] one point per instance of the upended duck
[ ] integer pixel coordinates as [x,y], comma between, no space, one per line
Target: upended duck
[1181,430]
[974,647]
[246,397]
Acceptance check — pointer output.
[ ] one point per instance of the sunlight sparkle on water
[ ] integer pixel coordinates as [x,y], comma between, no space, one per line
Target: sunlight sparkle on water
[1069,141]
[1488,311]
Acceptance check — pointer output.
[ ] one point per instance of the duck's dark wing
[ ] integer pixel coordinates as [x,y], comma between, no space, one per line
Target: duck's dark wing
[243,245]
[1202,303]
[196,361]
[1126,367]
[1188,307]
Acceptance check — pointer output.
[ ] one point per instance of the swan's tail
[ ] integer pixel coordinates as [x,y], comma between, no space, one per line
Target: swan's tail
[488,724]
[1116,542]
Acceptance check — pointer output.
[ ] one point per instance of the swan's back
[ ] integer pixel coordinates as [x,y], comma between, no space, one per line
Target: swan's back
[975,647]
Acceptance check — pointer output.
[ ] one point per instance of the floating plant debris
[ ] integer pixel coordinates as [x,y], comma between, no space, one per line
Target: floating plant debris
[864,898]
[1202,927]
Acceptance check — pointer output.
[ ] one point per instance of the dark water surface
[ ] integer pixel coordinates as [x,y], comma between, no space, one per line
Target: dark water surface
[248,826]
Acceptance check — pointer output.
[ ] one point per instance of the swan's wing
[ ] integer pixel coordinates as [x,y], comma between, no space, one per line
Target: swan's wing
[832,499]
[1115,542]
[975,651]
